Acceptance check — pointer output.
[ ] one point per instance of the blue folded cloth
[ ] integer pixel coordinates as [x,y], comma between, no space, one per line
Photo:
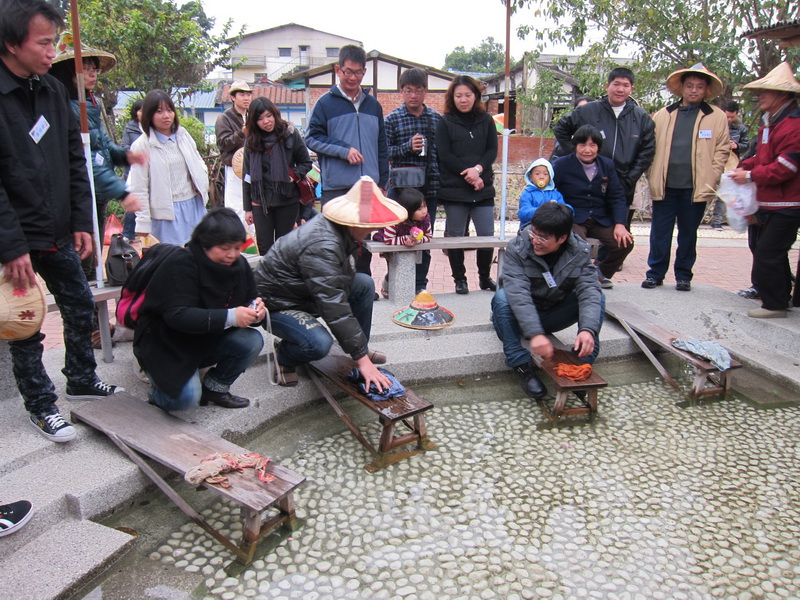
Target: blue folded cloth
[393,391]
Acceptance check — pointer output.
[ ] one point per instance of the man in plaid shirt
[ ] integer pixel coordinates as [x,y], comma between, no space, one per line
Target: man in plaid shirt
[410,129]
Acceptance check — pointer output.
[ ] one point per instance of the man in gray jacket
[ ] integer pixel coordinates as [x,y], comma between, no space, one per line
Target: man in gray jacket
[548,284]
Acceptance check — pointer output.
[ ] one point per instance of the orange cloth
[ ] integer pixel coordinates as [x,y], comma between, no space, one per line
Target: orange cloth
[574,372]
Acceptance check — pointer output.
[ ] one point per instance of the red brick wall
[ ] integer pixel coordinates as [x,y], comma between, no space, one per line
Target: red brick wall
[389,99]
[524,149]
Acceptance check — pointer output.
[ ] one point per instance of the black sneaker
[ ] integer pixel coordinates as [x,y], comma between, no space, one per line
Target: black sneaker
[96,391]
[531,384]
[13,516]
[650,283]
[53,426]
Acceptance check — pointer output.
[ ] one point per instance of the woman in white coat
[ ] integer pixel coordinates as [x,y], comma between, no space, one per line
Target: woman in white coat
[173,186]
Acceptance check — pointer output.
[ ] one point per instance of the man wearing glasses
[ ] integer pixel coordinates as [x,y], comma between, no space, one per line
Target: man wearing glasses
[548,284]
[346,130]
[410,133]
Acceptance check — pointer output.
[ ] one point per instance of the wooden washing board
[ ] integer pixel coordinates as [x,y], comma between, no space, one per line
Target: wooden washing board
[138,428]
[407,410]
[708,380]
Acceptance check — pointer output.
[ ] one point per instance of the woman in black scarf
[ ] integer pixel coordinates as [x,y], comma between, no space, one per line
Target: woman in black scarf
[273,148]
[198,312]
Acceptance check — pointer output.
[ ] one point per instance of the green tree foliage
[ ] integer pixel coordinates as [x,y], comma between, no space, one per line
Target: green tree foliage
[157,44]
[486,57]
[664,36]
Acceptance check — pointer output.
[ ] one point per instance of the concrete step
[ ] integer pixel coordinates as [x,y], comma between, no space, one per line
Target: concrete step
[61,559]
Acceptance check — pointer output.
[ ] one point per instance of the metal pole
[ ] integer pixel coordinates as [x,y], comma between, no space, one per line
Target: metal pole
[506,131]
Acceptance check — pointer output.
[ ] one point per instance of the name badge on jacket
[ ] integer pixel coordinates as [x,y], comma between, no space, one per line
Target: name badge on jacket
[704,134]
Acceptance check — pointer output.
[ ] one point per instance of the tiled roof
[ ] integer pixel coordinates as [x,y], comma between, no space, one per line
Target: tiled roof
[780,30]
[279,94]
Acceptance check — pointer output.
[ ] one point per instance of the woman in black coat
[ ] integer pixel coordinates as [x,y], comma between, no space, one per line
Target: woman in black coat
[274,155]
[466,143]
[198,311]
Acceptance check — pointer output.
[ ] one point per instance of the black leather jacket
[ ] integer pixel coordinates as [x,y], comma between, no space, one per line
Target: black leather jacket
[311,269]
[629,140]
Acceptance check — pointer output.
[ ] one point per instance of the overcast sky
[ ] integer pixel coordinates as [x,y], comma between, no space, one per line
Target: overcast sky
[422,32]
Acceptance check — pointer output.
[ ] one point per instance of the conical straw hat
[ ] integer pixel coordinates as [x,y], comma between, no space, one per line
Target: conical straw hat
[66,51]
[675,86]
[21,311]
[364,206]
[780,79]
[424,313]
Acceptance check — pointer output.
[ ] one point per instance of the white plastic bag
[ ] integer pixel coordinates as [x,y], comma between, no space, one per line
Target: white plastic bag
[740,199]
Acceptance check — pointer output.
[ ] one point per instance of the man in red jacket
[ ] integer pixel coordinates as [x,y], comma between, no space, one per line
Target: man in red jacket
[775,169]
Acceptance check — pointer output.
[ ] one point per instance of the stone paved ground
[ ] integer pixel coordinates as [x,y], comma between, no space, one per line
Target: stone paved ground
[651,501]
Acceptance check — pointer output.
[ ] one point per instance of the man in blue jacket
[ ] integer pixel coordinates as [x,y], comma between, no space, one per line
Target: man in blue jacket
[346,130]
[45,209]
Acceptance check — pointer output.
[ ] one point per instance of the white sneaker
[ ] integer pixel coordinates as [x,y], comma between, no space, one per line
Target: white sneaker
[53,426]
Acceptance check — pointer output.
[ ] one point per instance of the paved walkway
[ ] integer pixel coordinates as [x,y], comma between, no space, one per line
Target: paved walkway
[723,261]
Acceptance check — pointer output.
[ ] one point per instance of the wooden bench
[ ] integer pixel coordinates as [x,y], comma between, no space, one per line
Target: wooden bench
[137,427]
[101,298]
[636,321]
[563,385]
[407,410]
[403,259]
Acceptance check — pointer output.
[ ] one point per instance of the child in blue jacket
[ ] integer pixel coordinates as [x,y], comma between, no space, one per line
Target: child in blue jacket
[540,189]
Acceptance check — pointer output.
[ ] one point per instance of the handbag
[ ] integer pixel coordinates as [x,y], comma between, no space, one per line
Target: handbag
[408,177]
[122,257]
[305,185]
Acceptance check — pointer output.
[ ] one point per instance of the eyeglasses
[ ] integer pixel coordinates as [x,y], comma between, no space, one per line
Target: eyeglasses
[410,92]
[350,73]
[91,71]
[535,237]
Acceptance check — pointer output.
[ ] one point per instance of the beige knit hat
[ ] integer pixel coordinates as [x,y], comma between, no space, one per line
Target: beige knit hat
[780,79]
[66,51]
[364,206]
[675,85]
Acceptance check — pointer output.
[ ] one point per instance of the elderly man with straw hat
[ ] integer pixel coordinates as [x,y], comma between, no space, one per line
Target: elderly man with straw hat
[774,170]
[692,145]
[310,272]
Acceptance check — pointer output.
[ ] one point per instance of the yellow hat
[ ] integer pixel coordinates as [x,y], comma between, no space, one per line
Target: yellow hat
[364,206]
[66,51]
[675,85]
[780,79]
[239,86]
[424,313]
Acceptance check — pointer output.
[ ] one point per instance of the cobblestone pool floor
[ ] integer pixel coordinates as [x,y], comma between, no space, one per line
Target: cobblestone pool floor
[651,501]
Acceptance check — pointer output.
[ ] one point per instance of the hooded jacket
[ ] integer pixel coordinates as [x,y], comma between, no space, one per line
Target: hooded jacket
[533,197]
[775,169]
[335,127]
[47,196]
[527,290]
[311,269]
[711,148]
[629,140]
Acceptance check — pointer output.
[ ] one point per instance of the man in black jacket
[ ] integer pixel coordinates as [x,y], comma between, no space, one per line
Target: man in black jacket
[628,131]
[45,209]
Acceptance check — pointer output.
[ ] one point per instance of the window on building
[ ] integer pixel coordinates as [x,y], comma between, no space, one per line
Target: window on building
[304,48]
[284,52]
[332,52]
[260,77]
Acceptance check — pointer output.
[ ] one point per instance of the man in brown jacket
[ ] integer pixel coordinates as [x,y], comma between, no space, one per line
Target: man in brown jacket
[230,138]
[692,145]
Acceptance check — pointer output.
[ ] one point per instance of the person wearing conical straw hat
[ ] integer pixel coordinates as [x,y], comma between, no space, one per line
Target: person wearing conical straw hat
[775,169]
[46,207]
[692,146]
[310,273]
[105,153]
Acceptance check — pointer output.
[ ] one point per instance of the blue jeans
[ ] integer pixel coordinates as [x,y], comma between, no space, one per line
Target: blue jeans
[303,337]
[677,206]
[236,351]
[129,226]
[62,272]
[553,319]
